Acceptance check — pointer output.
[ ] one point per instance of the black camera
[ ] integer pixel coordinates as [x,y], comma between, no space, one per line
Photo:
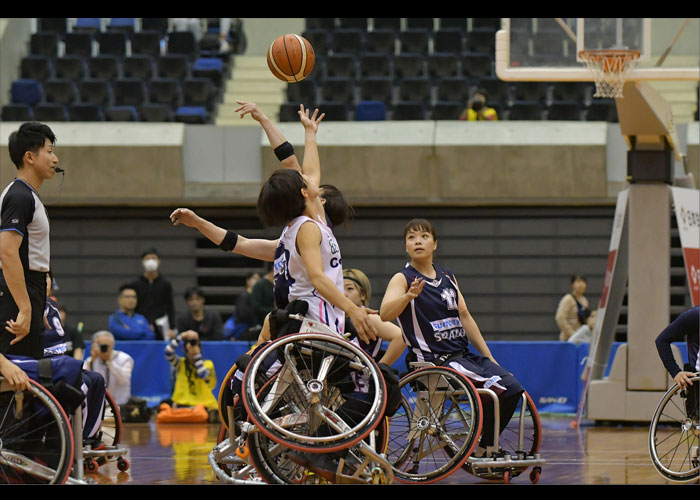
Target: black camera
[104,347]
[192,342]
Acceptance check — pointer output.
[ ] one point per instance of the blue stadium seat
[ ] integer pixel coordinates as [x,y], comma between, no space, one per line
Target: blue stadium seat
[191,114]
[112,43]
[79,44]
[50,112]
[387,23]
[88,24]
[129,92]
[95,91]
[341,65]
[26,91]
[375,65]
[73,67]
[447,110]
[347,41]
[338,89]
[414,40]
[442,65]
[303,92]
[44,43]
[380,41]
[409,110]
[138,66]
[17,113]
[409,64]
[448,40]
[121,114]
[173,66]
[370,111]
[209,67]
[476,65]
[60,91]
[146,43]
[454,88]
[105,67]
[199,92]
[165,91]
[155,113]
[416,89]
[335,111]
[83,112]
[377,89]
[35,67]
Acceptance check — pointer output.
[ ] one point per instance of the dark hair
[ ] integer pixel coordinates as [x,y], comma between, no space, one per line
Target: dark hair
[420,225]
[280,198]
[578,277]
[337,208]
[30,136]
[126,286]
[482,92]
[194,290]
[150,250]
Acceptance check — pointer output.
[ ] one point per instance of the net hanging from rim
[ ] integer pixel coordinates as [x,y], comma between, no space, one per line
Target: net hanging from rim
[610,69]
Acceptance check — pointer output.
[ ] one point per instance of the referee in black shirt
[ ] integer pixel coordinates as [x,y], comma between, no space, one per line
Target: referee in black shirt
[24,247]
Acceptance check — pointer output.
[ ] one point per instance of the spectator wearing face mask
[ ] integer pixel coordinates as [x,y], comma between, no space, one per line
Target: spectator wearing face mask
[155,296]
[477,110]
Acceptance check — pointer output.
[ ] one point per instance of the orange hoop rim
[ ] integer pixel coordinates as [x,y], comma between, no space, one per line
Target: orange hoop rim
[601,54]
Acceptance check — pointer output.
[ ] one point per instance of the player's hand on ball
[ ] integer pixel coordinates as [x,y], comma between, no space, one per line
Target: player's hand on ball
[183,216]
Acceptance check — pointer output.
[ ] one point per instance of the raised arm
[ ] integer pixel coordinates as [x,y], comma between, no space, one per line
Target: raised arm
[311,164]
[258,248]
[398,295]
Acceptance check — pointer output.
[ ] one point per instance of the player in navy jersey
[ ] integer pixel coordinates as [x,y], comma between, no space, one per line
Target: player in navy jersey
[686,327]
[437,326]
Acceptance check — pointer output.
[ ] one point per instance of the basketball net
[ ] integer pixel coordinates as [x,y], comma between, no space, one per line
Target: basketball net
[610,69]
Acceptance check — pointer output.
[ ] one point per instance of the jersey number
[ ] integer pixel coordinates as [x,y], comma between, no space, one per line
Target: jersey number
[449,296]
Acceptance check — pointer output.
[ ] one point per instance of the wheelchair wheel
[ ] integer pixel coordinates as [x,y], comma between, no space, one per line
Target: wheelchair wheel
[437,428]
[532,432]
[327,395]
[673,434]
[36,438]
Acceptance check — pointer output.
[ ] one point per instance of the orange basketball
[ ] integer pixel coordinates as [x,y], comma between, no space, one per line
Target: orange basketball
[291,58]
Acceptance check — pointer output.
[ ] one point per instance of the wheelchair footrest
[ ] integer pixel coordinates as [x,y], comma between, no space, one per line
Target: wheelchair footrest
[507,461]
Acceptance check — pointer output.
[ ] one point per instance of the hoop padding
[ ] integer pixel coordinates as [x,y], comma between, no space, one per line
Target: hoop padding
[610,69]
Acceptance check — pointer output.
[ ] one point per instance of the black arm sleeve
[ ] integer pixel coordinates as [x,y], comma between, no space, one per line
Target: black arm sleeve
[683,325]
[17,210]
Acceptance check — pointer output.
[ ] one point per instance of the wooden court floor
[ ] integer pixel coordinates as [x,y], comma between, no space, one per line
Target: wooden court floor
[167,454]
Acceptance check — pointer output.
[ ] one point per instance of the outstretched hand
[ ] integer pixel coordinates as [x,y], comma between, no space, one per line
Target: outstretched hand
[416,288]
[183,216]
[250,108]
[311,123]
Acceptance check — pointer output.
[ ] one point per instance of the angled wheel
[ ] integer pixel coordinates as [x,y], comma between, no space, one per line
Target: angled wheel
[327,394]
[433,434]
[673,434]
[36,438]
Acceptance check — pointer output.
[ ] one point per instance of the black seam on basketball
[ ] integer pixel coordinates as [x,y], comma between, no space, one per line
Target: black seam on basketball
[286,53]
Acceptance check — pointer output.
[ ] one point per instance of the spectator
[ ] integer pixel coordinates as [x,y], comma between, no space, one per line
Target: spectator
[574,317]
[75,345]
[242,325]
[195,377]
[205,322]
[125,323]
[262,297]
[155,296]
[197,26]
[477,110]
[115,366]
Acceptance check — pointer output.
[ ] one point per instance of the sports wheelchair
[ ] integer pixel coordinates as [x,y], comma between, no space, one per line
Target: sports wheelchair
[674,432]
[305,396]
[40,444]
[439,424]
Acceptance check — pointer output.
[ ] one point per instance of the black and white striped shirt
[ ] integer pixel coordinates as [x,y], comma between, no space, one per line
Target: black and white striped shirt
[21,210]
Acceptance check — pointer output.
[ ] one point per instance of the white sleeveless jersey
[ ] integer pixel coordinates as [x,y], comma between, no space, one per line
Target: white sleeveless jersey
[292,281]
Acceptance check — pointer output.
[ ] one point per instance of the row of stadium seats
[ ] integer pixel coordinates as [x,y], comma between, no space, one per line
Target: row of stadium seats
[398,24]
[81,112]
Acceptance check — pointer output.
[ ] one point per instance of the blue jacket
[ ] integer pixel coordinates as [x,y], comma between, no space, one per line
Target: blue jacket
[134,327]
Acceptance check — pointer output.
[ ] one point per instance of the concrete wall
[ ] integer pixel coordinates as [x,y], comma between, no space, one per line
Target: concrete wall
[14,33]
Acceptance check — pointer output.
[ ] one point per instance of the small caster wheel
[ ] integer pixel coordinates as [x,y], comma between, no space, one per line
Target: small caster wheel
[122,465]
[506,477]
[535,474]
[242,452]
[91,465]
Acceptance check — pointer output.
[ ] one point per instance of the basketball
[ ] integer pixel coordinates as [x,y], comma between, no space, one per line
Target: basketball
[291,58]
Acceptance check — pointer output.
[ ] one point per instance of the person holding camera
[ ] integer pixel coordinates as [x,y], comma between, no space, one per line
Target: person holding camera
[574,316]
[477,110]
[195,377]
[115,366]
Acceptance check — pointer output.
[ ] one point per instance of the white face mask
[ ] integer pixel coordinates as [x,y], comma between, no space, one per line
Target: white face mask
[150,265]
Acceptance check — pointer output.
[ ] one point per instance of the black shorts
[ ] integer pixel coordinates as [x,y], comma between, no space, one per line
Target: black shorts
[32,344]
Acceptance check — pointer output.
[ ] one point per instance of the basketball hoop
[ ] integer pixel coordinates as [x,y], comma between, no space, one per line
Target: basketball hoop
[610,69]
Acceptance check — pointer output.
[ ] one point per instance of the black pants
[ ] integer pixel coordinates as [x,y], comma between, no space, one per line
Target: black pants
[32,344]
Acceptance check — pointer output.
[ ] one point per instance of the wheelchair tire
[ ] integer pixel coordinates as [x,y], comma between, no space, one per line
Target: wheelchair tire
[290,410]
[673,435]
[36,444]
[445,414]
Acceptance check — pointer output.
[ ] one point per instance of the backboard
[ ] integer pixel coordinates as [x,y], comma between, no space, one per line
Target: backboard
[548,49]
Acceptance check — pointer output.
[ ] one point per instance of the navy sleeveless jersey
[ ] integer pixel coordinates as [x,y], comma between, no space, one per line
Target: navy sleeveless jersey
[54,338]
[430,323]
